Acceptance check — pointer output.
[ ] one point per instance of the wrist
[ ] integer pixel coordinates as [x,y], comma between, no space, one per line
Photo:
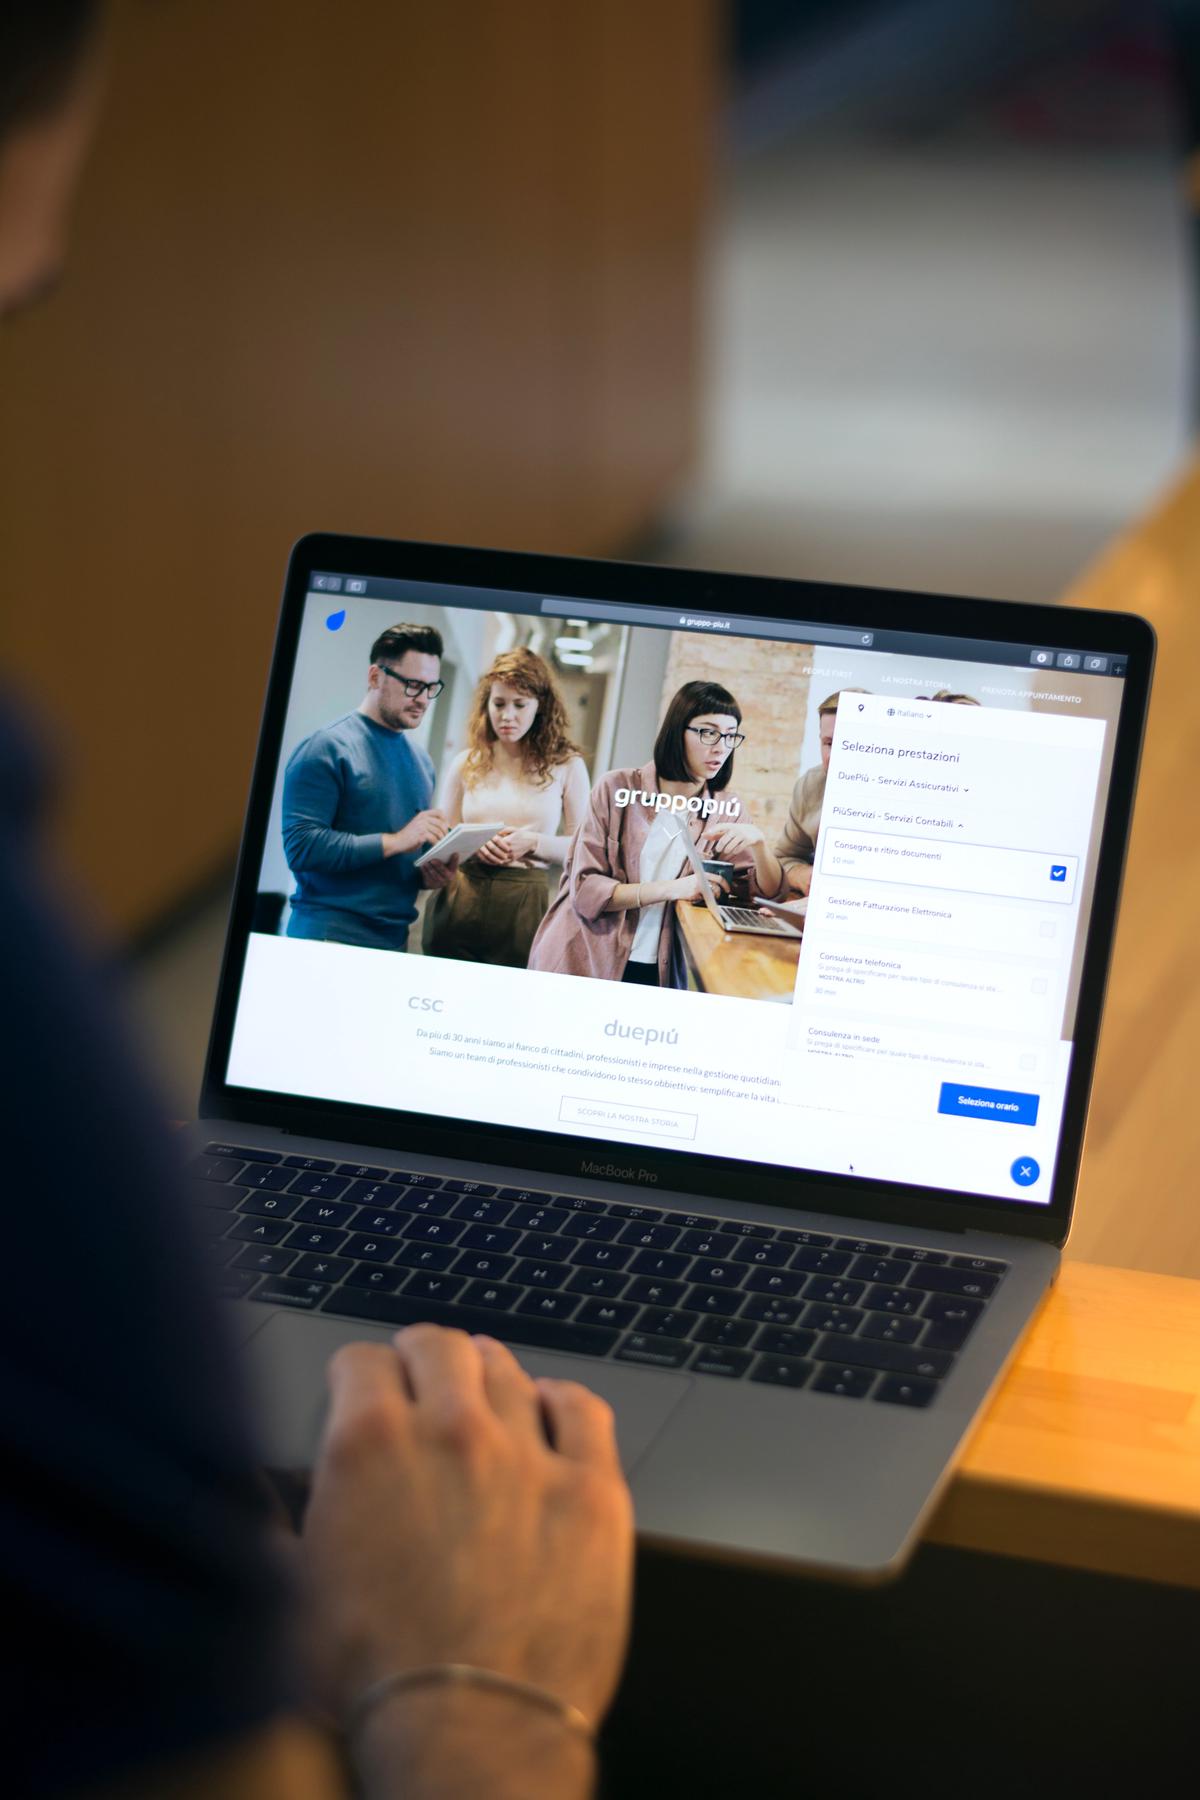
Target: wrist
[435,1743]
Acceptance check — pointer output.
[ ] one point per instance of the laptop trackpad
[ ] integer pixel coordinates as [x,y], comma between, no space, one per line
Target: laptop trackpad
[286,1363]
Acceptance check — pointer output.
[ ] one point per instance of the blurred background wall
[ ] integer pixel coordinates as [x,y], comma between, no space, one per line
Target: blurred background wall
[895,291]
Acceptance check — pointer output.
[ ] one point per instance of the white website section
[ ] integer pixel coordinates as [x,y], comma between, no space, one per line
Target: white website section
[941,939]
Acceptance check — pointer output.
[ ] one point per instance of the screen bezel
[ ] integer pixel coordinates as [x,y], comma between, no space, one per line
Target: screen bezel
[1119,634]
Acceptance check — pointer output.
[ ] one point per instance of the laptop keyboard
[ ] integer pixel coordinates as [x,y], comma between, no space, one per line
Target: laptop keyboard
[865,1319]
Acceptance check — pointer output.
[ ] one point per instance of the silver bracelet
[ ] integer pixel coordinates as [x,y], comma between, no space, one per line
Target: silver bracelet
[465,1675]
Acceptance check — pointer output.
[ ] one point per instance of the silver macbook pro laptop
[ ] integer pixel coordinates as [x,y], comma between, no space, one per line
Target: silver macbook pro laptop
[736,918]
[795,1245]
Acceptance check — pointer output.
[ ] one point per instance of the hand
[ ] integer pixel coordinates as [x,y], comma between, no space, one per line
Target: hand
[522,842]
[462,1512]
[799,878]
[687,887]
[427,827]
[497,852]
[439,874]
[728,840]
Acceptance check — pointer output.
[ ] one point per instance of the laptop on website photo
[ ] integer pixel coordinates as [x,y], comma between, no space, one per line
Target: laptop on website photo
[738,918]
[795,1245]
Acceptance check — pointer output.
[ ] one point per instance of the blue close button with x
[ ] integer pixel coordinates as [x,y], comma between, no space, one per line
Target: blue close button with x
[1025,1171]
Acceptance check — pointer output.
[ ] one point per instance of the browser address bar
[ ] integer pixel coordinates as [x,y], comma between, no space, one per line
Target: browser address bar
[684,619]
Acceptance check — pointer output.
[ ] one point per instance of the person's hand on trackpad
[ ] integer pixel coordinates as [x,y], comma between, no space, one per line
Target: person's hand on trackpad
[463,1513]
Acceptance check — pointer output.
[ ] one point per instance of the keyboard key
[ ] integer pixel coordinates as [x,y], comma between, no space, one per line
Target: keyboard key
[419,1200]
[763,1255]
[905,1392]
[719,1245]
[655,1352]
[765,1310]
[322,1268]
[497,1296]
[872,1353]
[379,1224]
[535,1274]
[600,1229]
[892,1330]
[781,1371]
[842,1319]
[412,1254]
[942,1337]
[218,1198]
[375,1275]
[538,1218]
[770,1281]
[659,1321]
[834,1378]
[652,1292]
[484,1265]
[602,1256]
[218,1251]
[526,1196]
[620,1210]
[740,1229]
[894,1300]
[888,1269]
[732,1333]
[208,1225]
[369,1193]
[496,1238]
[455,1184]
[283,1290]
[406,1178]
[822,1262]
[259,1231]
[323,1163]
[983,1265]
[407,1309]
[833,1293]
[320,1187]
[576,1203]
[953,1281]
[263,1205]
[863,1246]
[696,1221]
[235,1284]
[369,1249]
[819,1239]
[260,1175]
[658,1262]
[545,1249]
[267,1262]
[481,1211]
[713,1300]
[243,1153]
[421,1286]
[328,1212]
[707,1272]
[215,1168]
[314,1238]
[907,1253]
[362,1172]
[649,1237]
[780,1340]
[598,1282]
[433,1231]
[944,1309]
[618,1313]
[712,1359]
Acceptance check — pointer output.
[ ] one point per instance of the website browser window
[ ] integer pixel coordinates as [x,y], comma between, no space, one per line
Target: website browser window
[802,896]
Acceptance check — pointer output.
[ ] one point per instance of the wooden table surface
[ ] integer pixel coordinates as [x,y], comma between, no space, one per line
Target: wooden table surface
[745,965]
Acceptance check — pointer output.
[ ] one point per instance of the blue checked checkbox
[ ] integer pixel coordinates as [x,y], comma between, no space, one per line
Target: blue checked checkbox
[1058,871]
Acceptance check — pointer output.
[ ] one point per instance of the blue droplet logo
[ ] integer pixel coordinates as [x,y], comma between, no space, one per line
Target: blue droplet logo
[336,620]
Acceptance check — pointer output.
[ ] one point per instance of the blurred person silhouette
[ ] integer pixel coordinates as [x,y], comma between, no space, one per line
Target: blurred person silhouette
[797,845]
[462,1516]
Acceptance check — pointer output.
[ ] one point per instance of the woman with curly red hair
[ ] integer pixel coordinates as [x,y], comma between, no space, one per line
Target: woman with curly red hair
[520,765]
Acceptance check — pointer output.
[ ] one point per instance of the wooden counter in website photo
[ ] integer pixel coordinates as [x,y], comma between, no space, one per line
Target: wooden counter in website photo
[742,964]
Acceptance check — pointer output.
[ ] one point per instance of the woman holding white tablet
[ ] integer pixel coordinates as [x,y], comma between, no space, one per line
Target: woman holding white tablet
[520,765]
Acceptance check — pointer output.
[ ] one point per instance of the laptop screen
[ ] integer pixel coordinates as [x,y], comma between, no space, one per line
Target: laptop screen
[475,902]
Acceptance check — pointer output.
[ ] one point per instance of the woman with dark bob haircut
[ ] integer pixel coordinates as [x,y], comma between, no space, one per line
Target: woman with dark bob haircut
[614,915]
